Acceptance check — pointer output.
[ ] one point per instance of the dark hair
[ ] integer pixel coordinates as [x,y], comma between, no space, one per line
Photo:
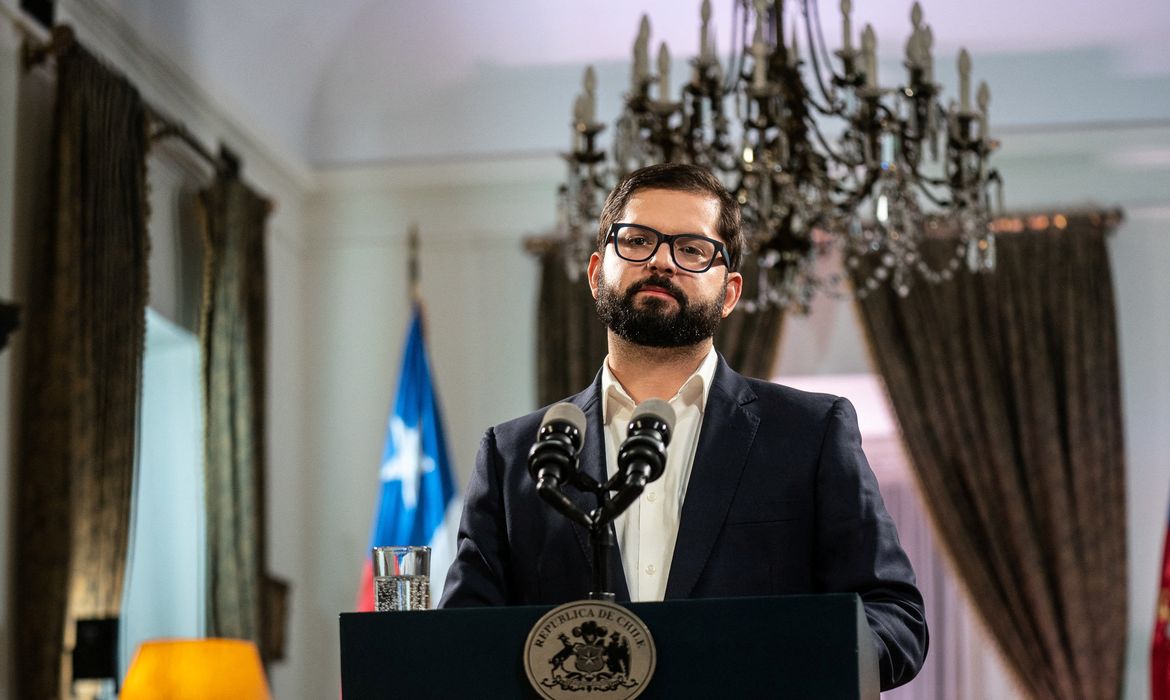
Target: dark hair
[679,177]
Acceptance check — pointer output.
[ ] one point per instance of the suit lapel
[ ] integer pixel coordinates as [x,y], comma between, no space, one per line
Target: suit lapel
[729,428]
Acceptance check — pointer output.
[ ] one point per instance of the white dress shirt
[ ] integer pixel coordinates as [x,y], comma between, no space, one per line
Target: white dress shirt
[646,532]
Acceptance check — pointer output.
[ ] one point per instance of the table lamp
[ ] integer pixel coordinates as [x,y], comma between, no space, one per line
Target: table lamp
[196,669]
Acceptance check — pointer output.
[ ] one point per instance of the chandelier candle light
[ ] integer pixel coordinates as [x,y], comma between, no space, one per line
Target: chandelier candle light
[821,157]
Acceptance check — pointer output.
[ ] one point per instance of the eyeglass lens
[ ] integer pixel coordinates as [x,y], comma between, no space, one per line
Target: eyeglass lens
[691,253]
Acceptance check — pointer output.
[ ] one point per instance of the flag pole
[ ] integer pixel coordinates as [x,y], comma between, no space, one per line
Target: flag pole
[412,263]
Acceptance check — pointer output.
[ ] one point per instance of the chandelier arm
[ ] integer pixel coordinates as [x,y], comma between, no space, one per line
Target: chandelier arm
[736,61]
[854,199]
[821,43]
[923,186]
[828,93]
[832,107]
[816,129]
[829,149]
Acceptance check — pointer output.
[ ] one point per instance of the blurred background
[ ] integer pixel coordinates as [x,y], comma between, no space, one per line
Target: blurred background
[356,120]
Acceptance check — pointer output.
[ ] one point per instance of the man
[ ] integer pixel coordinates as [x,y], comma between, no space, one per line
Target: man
[766,489]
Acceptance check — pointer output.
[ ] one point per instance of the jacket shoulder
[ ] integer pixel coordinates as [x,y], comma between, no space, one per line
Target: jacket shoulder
[526,426]
[774,395]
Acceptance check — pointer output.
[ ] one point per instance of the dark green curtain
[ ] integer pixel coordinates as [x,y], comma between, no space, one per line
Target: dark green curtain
[750,342]
[82,374]
[233,333]
[571,341]
[1008,393]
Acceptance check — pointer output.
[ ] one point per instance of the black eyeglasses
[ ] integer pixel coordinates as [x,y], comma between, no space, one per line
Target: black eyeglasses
[690,251]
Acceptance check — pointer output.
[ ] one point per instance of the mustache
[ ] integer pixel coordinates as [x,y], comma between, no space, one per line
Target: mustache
[660,282]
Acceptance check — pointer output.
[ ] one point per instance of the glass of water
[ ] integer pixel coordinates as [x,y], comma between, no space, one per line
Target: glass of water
[402,578]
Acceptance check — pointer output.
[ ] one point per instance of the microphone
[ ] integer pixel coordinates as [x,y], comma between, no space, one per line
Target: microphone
[552,460]
[641,458]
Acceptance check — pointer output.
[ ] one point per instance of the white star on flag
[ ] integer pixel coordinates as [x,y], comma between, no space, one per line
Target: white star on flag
[409,462]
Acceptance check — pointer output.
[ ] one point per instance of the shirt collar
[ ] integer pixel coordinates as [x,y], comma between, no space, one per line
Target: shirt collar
[694,390]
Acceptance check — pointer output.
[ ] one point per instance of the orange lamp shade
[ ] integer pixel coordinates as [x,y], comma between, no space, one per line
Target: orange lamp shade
[191,669]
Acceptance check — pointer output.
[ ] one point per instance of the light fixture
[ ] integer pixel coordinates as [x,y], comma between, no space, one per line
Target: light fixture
[822,158]
[196,669]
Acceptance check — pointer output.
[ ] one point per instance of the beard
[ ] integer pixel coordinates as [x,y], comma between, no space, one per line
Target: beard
[649,322]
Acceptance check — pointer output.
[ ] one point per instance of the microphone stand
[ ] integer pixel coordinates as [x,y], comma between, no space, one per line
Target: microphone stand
[597,521]
[602,541]
[640,461]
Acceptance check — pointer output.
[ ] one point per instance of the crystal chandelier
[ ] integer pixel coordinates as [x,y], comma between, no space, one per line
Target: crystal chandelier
[821,157]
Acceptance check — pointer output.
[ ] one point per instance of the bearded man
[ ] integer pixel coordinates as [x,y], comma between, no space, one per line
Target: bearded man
[766,490]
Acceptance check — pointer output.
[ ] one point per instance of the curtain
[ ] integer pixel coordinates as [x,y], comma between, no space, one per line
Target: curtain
[82,372]
[571,340]
[750,341]
[234,341]
[1006,387]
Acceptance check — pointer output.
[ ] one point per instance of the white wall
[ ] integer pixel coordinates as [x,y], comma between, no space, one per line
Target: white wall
[282,177]
[478,287]
[481,294]
[338,304]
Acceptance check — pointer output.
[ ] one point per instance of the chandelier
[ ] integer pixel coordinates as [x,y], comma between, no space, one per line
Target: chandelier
[822,158]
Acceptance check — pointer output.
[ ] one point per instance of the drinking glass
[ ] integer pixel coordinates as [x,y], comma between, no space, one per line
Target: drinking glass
[402,578]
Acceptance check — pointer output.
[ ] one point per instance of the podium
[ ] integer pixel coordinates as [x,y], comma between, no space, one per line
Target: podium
[808,646]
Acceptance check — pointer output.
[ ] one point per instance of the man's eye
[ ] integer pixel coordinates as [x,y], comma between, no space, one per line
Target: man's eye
[637,241]
[693,251]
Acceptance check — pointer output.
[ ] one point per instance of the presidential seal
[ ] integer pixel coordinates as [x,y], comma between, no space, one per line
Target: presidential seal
[589,648]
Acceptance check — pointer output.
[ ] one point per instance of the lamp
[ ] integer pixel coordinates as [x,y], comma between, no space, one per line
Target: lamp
[822,158]
[196,669]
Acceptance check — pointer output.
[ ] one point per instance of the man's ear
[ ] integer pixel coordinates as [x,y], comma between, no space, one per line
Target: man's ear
[734,289]
[595,261]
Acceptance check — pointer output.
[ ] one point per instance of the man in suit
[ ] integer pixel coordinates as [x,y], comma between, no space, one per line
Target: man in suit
[766,490]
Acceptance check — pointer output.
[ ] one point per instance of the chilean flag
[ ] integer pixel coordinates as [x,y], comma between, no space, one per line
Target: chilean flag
[1160,650]
[417,501]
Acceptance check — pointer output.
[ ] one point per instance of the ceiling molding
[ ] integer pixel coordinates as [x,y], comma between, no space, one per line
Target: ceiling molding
[512,168]
[172,90]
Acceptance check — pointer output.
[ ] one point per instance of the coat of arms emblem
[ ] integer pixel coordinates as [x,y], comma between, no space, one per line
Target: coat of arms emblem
[589,648]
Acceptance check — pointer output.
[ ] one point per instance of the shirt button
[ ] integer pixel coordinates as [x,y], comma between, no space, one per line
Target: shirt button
[652,496]
[650,569]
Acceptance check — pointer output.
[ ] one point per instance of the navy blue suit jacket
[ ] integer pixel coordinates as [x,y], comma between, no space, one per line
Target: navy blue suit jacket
[781,500]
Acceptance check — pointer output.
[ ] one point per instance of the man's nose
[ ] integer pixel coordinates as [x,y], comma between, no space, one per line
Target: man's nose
[662,259]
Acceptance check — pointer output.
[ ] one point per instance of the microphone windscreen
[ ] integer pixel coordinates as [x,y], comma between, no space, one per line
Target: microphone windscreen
[656,408]
[566,412]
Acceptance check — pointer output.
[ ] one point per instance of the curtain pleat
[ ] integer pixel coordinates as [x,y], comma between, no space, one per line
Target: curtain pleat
[82,374]
[1007,389]
[234,341]
[750,342]
[570,339]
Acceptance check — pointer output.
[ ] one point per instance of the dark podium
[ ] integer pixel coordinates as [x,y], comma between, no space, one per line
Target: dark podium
[814,646]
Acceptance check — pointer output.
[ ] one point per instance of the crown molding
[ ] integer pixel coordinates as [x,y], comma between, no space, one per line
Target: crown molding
[445,171]
[172,90]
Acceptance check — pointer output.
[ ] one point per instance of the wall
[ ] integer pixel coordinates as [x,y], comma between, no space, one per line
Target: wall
[478,287]
[283,178]
[481,294]
[338,300]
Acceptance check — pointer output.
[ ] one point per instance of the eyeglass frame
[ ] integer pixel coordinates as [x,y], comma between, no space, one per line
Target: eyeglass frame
[720,256]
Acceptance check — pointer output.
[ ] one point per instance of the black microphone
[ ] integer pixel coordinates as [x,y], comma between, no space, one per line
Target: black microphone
[641,458]
[552,460]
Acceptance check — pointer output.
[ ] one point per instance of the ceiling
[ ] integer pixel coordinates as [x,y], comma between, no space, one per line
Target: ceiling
[351,81]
